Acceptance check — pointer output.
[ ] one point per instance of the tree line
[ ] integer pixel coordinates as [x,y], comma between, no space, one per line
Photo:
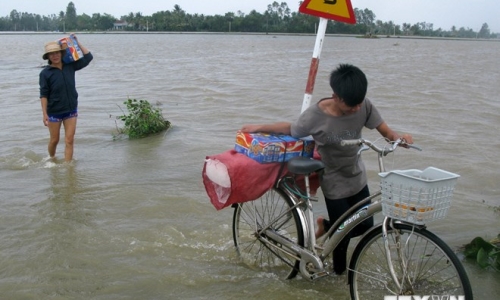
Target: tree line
[277,18]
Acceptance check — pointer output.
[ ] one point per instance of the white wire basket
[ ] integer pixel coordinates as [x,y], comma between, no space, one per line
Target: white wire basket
[417,196]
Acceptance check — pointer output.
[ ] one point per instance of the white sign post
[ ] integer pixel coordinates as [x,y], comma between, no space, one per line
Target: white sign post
[339,10]
[313,70]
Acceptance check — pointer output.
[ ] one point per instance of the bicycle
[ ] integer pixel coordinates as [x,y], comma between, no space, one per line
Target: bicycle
[398,256]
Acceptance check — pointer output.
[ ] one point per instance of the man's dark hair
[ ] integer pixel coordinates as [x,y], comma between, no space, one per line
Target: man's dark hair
[349,84]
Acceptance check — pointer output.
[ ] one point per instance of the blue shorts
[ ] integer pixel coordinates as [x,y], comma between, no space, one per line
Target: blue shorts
[62,117]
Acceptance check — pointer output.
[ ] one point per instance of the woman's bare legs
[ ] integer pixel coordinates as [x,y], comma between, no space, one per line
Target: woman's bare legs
[54,129]
[69,138]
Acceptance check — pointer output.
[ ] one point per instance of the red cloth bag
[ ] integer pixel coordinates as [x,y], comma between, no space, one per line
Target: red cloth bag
[232,177]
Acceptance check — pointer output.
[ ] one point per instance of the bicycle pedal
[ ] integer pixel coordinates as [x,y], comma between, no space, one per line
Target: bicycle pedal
[319,275]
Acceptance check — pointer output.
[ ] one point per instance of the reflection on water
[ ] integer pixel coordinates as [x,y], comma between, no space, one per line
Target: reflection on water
[66,189]
[129,219]
[65,226]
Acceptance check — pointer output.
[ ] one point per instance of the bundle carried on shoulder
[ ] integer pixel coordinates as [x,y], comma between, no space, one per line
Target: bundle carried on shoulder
[70,45]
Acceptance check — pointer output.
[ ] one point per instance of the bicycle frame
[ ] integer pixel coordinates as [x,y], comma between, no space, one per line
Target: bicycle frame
[311,262]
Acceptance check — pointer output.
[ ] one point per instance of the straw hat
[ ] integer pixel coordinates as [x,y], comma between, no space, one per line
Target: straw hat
[51,47]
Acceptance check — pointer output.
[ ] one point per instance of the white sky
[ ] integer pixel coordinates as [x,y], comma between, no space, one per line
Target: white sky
[442,13]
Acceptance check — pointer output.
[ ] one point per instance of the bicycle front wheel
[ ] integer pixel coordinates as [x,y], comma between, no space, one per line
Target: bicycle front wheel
[423,263]
[273,211]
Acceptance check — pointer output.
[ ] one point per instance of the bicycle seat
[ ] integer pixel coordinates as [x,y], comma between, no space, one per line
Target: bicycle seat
[304,165]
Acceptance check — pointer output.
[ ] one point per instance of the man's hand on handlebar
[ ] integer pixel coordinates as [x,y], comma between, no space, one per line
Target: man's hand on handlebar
[406,139]
[403,142]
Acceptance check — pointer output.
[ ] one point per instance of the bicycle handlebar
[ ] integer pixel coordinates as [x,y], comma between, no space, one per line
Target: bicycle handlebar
[384,151]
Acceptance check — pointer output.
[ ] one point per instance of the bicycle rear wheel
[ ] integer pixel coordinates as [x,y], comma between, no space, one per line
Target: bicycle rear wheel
[250,217]
[424,265]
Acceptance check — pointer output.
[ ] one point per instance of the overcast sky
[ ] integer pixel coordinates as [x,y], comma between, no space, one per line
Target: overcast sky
[442,13]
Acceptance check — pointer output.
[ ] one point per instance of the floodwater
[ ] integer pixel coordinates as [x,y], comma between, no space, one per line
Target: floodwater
[130,219]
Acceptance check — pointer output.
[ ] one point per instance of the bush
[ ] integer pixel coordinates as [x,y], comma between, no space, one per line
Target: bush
[143,119]
[486,254]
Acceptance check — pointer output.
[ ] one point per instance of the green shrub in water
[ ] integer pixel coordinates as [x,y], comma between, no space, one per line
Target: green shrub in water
[486,254]
[142,120]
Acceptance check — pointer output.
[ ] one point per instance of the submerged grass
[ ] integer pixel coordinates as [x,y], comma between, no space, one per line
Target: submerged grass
[143,119]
